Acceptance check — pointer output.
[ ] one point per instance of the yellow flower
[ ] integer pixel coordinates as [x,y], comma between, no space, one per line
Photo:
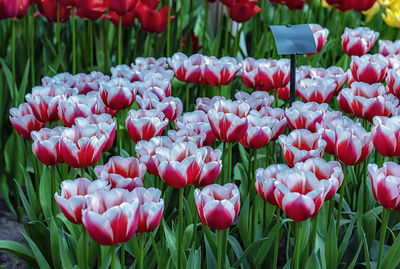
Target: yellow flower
[370,13]
[392,16]
[386,3]
[325,4]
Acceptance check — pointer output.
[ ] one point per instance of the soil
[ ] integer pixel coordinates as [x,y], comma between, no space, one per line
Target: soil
[10,230]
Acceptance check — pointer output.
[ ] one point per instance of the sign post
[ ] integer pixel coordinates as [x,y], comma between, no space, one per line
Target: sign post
[292,40]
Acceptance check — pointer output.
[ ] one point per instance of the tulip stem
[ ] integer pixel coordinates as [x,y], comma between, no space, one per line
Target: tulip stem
[90,30]
[82,171]
[277,228]
[205,22]
[385,220]
[122,250]
[187,97]
[219,248]
[141,247]
[168,33]
[58,26]
[226,35]
[341,199]
[118,135]
[114,257]
[229,162]
[85,247]
[179,240]
[53,188]
[296,253]
[73,44]
[120,40]
[14,82]
[314,233]
[32,49]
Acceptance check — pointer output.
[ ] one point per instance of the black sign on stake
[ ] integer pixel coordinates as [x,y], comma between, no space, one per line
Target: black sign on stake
[292,40]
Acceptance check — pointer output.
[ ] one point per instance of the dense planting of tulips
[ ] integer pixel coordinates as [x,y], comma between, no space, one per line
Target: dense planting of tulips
[196,159]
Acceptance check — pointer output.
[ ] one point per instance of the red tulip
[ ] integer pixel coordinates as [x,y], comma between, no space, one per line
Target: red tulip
[305,115]
[118,93]
[82,147]
[205,104]
[243,10]
[124,71]
[299,194]
[104,122]
[196,121]
[153,21]
[394,61]
[359,41]
[367,101]
[14,9]
[46,145]
[362,5]
[150,209]
[73,197]
[48,8]
[260,130]
[171,106]
[121,7]
[265,181]
[219,72]
[152,64]
[388,47]
[228,2]
[301,145]
[342,5]
[24,122]
[320,36]
[75,106]
[111,217]
[194,46]
[160,87]
[386,184]
[386,136]
[144,124]
[210,167]
[369,68]
[187,135]
[338,75]
[277,118]
[317,90]
[265,75]
[352,145]
[217,205]
[257,100]
[127,20]
[187,69]
[228,120]
[91,9]
[123,173]
[291,4]
[330,174]
[146,152]
[90,82]
[284,93]
[393,82]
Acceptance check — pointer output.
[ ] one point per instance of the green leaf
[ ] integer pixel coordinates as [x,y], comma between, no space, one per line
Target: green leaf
[170,237]
[10,82]
[313,262]
[331,251]
[36,252]
[392,257]
[64,250]
[194,260]
[54,243]
[44,191]
[346,238]
[25,203]
[24,82]
[248,250]
[244,221]
[18,250]
[210,258]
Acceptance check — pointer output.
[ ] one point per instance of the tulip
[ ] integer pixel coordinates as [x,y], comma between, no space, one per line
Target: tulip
[118,93]
[46,145]
[205,104]
[317,90]
[127,20]
[160,88]
[386,135]
[187,135]
[104,122]
[124,71]
[211,166]
[320,36]
[257,100]
[90,82]
[291,4]
[369,68]
[299,194]
[217,205]
[301,145]
[393,82]
[265,75]
[121,7]
[243,10]
[81,147]
[284,93]
[219,72]
[146,152]
[24,122]
[123,173]
[342,5]
[362,5]
[328,126]
[338,75]
[91,9]
[388,47]
[111,217]
[73,197]
[171,106]
[144,124]
[394,61]
[195,47]
[359,41]
[260,130]
[153,21]
[196,121]
[15,9]
[367,101]
[385,184]
[75,106]
[265,181]
[330,174]
[305,115]
[228,120]
[187,69]
[352,145]
[151,209]
[48,8]
[277,118]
